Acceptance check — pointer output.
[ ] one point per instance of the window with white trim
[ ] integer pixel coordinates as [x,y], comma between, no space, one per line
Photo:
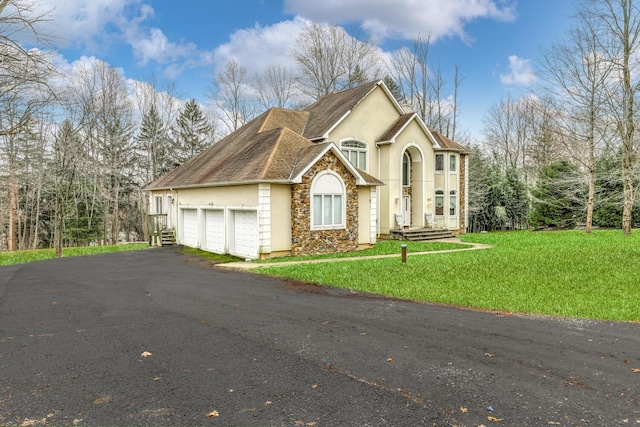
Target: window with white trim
[453,163]
[328,201]
[439,202]
[453,203]
[158,200]
[406,170]
[439,162]
[356,152]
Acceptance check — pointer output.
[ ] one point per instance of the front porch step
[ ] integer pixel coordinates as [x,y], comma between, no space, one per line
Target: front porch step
[422,234]
[167,237]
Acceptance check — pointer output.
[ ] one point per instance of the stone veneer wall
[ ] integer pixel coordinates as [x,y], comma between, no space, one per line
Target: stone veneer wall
[462,194]
[305,241]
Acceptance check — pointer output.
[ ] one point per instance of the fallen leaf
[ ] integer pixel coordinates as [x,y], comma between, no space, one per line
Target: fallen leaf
[626,361]
[213,414]
[314,386]
[267,403]
[494,419]
[489,355]
[555,423]
[299,423]
[390,359]
[312,424]
[101,400]
[326,322]
[231,390]
[463,409]
[636,370]
[29,422]
[145,354]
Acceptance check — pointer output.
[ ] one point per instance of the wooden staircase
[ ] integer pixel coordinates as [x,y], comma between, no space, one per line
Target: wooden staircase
[421,234]
[167,237]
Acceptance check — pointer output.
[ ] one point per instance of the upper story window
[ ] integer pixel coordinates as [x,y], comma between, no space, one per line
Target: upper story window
[406,170]
[439,162]
[328,201]
[356,152]
[453,163]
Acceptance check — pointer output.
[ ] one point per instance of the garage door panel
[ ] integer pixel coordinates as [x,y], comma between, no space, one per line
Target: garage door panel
[214,231]
[190,227]
[246,233]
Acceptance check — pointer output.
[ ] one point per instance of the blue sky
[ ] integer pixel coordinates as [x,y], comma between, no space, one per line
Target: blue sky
[495,43]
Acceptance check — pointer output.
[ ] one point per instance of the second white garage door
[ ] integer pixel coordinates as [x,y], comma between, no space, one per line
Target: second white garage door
[245,234]
[214,231]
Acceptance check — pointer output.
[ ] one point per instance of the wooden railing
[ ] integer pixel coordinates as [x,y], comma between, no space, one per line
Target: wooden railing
[156,223]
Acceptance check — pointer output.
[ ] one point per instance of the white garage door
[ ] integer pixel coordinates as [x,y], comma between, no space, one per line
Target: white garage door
[245,234]
[190,227]
[214,231]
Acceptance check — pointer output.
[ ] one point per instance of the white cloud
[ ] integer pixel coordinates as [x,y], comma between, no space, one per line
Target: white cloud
[405,19]
[520,74]
[79,22]
[257,47]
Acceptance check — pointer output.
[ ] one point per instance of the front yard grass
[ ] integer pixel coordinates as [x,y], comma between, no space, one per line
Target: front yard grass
[383,247]
[559,273]
[22,257]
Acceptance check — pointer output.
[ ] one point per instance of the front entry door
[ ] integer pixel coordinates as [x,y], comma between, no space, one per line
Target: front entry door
[406,211]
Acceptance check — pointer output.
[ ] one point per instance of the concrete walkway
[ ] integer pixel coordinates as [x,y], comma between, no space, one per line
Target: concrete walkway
[248,265]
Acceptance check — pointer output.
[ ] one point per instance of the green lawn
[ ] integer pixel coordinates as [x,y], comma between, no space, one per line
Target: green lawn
[21,257]
[567,273]
[383,247]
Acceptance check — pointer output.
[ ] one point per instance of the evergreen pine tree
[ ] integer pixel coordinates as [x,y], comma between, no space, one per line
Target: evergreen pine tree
[194,132]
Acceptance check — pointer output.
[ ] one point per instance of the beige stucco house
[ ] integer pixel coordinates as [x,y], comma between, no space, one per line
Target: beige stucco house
[332,178]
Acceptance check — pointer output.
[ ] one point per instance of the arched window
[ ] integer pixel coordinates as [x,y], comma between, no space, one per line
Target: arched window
[439,202]
[453,202]
[406,170]
[356,152]
[328,201]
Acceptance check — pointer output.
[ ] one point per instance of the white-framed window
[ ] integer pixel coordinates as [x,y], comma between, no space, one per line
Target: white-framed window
[158,204]
[453,203]
[356,152]
[328,201]
[439,162]
[453,163]
[440,202]
[406,170]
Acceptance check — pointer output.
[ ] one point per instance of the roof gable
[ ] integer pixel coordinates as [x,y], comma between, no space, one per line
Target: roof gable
[329,111]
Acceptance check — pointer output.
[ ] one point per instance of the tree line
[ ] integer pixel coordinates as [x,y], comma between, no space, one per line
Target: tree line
[572,142]
[77,150]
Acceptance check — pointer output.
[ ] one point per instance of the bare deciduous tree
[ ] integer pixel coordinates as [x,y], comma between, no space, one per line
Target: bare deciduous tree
[231,96]
[332,60]
[616,30]
[576,74]
[275,87]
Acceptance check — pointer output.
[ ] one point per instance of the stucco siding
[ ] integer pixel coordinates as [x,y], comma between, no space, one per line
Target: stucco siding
[364,215]
[237,195]
[280,218]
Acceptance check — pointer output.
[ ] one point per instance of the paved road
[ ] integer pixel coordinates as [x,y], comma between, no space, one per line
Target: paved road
[157,338]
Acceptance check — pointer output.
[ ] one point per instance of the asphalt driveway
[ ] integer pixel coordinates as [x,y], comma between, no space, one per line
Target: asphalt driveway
[157,338]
